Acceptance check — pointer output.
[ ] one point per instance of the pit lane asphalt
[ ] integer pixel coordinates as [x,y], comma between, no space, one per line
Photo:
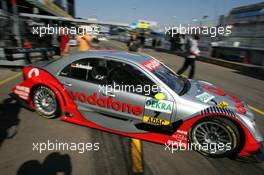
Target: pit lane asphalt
[20,128]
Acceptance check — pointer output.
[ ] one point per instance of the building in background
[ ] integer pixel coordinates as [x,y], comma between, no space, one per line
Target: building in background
[246,41]
[14,28]
[247,25]
[67,5]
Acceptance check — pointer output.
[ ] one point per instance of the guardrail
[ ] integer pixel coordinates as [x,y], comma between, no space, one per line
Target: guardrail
[240,66]
[246,55]
[15,53]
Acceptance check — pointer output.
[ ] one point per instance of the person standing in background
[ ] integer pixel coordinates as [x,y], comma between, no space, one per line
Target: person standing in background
[182,43]
[134,44]
[142,40]
[64,42]
[192,51]
[27,44]
[84,42]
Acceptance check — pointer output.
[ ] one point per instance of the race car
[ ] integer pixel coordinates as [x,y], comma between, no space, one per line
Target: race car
[135,95]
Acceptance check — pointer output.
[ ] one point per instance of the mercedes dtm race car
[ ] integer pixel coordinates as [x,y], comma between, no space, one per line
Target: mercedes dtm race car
[137,96]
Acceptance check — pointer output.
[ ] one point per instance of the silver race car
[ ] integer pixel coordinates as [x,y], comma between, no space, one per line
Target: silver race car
[135,95]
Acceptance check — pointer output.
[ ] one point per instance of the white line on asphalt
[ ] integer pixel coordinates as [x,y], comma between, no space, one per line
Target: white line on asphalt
[10,78]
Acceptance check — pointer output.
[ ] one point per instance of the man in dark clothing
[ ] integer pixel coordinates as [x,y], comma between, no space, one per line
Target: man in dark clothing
[192,51]
[142,40]
[134,44]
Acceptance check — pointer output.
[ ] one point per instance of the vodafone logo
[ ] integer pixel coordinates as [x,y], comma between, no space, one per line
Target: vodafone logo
[108,102]
[33,73]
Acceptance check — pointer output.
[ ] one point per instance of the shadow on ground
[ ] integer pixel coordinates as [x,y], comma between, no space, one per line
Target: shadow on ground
[9,110]
[54,163]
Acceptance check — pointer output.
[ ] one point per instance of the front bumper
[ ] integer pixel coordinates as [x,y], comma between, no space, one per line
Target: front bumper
[257,156]
[22,102]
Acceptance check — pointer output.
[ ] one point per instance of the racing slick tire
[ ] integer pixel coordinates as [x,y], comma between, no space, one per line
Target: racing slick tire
[46,102]
[215,137]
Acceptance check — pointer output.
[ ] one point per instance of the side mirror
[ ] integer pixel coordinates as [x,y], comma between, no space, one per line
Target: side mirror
[160,96]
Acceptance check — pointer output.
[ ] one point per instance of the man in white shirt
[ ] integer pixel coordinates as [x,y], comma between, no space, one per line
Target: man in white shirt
[192,51]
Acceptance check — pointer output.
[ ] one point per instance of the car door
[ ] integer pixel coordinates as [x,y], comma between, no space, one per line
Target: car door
[152,112]
[83,79]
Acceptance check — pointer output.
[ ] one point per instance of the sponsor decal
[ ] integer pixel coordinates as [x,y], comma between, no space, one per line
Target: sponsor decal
[240,110]
[151,64]
[23,88]
[205,97]
[180,135]
[234,99]
[108,103]
[214,90]
[22,92]
[81,66]
[155,120]
[238,103]
[223,104]
[182,132]
[159,105]
[33,73]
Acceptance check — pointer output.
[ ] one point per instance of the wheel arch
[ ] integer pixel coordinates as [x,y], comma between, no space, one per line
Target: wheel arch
[235,121]
[58,93]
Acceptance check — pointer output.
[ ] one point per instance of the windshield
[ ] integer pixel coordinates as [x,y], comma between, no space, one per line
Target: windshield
[169,78]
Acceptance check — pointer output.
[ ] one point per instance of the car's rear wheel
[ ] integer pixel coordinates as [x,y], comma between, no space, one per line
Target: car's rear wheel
[215,137]
[46,102]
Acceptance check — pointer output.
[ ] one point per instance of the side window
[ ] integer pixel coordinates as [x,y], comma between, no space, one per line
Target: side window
[128,78]
[92,70]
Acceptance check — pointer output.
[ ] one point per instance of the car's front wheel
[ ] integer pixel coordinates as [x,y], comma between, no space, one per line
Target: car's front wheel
[46,102]
[215,137]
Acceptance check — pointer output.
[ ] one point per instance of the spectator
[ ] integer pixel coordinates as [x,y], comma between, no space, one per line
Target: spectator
[182,43]
[64,42]
[134,44]
[154,42]
[192,51]
[142,40]
[84,42]
[27,44]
